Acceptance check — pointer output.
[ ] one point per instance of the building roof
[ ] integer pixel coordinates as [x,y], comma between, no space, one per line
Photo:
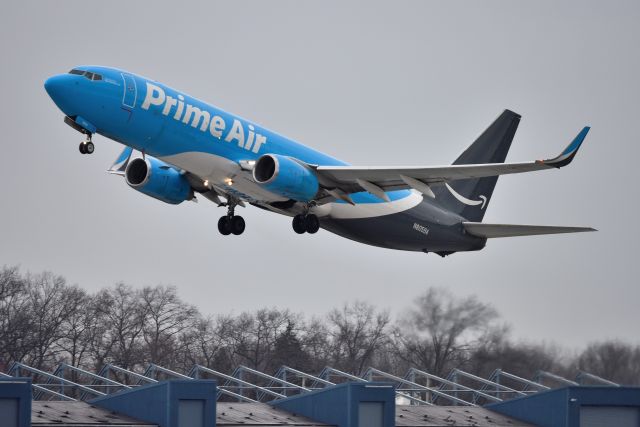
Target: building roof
[258,414]
[435,416]
[78,414]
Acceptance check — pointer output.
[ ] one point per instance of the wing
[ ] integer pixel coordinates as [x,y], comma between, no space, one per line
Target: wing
[376,180]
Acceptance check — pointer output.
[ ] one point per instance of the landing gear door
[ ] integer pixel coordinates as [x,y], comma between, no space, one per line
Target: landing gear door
[130,92]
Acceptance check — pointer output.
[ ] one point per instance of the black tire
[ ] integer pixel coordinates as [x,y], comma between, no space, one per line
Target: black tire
[312,224]
[237,225]
[89,148]
[224,226]
[82,148]
[299,224]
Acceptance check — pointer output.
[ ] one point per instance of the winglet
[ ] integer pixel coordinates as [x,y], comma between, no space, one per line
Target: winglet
[570,152]
[121,162]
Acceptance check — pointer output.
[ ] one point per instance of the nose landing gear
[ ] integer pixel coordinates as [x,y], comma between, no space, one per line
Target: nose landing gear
[85,128]
[86,146]
[231,223]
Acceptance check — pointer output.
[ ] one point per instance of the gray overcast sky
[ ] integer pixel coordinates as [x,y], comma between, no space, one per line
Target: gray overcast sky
[397,83]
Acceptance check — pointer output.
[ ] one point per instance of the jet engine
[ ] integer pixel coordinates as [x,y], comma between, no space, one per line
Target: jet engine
[157,179]
[286,177]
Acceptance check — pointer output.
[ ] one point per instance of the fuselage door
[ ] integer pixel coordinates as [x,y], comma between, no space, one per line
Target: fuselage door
[130,92]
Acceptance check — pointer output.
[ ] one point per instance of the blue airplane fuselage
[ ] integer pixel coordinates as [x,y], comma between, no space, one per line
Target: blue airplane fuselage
[210,143]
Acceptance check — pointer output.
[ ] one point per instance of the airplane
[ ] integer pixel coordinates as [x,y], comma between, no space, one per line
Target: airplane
[177,147]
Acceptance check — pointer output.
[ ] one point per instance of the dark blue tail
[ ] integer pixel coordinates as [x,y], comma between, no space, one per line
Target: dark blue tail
[470,198]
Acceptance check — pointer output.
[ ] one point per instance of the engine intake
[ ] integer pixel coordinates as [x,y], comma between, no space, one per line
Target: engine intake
[157,179]
[286,177]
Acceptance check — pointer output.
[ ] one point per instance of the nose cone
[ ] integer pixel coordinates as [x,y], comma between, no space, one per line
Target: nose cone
[55,85]
[59,88]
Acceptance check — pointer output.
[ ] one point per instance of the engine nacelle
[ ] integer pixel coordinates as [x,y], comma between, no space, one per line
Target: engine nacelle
[284,176]
[157,179]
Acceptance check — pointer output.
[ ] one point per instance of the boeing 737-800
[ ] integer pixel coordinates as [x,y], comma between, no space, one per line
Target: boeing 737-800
[177,146]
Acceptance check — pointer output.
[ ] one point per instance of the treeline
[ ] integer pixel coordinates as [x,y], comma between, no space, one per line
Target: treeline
[45,321]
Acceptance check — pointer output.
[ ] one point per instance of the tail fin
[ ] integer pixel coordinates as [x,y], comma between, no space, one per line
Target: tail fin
[470,198]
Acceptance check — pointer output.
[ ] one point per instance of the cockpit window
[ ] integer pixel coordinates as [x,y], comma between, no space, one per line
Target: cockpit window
[87,74]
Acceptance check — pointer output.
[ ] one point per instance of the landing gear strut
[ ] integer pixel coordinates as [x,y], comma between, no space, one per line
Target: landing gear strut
[231,223]
[308,223]
[86,146]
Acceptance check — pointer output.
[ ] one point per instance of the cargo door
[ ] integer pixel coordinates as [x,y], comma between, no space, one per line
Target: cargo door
[130,92]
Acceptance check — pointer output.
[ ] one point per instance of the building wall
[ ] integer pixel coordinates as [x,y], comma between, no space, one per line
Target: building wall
[346,405]
[176,403]
[15,402]
[562,407]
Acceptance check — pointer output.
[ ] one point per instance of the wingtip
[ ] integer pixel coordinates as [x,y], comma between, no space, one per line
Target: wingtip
[577,141]
[570,151]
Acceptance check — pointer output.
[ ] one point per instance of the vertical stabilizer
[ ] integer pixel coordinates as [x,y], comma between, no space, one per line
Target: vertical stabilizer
[470,198]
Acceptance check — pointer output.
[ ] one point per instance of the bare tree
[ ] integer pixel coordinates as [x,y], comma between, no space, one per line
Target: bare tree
[357,331]
[316,343]
[252,336]
[15,318]
[613,360]
[51,303]
[440,330]
[76,327]
[495,350]
[101,340]
[289,349]
[119,337]
[202,344]
[11,283]
[43,320]
[166,316]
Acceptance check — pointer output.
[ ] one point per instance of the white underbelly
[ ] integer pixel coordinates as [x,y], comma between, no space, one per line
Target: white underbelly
[231,178]
[224,174]
[369,210]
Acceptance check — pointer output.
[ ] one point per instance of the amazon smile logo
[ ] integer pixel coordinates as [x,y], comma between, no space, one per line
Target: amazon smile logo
[468,202]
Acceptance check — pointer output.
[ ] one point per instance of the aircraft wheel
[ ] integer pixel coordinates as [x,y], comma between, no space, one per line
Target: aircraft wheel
[224,225]
[299,224]
[82,148]
[89,148]
[312,224]
[237,225]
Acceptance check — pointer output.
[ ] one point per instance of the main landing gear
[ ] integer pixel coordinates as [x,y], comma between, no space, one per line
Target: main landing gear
[86,146]
[308,223]
[231,223]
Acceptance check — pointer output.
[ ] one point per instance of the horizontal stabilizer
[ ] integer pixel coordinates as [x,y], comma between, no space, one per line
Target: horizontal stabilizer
[489,231]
